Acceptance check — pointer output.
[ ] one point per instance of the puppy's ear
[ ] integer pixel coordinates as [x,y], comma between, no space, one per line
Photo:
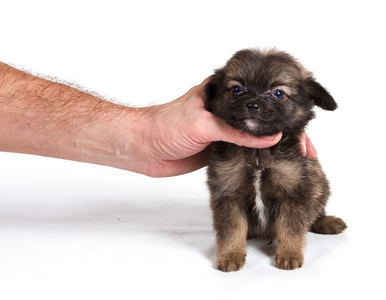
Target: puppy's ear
[212,89]
[319,95]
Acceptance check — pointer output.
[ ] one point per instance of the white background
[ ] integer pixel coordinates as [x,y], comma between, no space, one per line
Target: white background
[77,231]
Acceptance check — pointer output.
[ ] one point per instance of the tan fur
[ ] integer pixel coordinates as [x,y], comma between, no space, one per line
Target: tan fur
[230,180]
[289,170]
[232,83]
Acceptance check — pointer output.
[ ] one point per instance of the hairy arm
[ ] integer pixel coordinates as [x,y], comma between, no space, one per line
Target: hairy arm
[42,117]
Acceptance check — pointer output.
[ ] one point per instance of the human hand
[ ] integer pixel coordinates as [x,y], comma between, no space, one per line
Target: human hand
[175,135]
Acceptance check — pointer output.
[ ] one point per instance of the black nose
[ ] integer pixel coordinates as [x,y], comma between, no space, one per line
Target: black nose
[253,107]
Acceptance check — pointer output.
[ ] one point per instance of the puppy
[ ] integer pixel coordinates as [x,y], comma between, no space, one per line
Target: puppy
[274,192]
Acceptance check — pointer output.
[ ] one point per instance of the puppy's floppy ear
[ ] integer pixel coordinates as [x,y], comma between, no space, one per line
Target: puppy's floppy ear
[212,89]
[319,95]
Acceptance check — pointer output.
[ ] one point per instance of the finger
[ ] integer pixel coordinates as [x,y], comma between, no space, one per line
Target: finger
[206,80]
[202,85]
[241,138]
[310,148]
[303,147]
[226,133]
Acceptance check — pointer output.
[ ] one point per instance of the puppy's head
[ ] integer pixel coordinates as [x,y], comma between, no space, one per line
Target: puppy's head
[265,92]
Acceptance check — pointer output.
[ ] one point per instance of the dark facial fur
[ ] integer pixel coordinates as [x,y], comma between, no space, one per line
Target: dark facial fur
[269,193]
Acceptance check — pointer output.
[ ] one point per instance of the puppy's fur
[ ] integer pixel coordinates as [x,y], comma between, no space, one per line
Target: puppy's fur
[274,192]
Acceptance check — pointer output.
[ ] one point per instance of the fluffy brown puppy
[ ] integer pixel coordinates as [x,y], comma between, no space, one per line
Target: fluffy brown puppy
[274,192]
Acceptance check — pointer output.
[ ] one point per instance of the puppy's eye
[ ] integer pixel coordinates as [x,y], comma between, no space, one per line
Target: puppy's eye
[279,94]
[236,89]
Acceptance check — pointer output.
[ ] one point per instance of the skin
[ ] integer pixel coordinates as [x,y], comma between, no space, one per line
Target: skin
[46,118]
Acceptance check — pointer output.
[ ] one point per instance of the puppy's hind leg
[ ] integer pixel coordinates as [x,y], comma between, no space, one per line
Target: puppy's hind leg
[328,225]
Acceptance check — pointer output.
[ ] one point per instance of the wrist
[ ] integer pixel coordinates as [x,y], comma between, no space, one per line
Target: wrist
[118,140]
[108,140]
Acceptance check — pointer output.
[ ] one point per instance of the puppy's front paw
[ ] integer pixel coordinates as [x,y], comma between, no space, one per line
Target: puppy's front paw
[289,262]
[231,262]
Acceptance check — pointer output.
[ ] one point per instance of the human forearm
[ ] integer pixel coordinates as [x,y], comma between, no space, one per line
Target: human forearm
[42,117]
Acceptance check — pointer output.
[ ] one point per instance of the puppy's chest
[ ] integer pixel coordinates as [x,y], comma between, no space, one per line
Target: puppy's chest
[244,171]
[272,179]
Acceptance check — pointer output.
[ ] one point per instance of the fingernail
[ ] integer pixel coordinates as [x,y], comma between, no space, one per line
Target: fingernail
[269,138]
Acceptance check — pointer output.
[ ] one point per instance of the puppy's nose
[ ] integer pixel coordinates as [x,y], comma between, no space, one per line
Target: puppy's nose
[252,108]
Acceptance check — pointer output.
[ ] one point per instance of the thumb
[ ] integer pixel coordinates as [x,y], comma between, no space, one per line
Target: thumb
[226,133]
